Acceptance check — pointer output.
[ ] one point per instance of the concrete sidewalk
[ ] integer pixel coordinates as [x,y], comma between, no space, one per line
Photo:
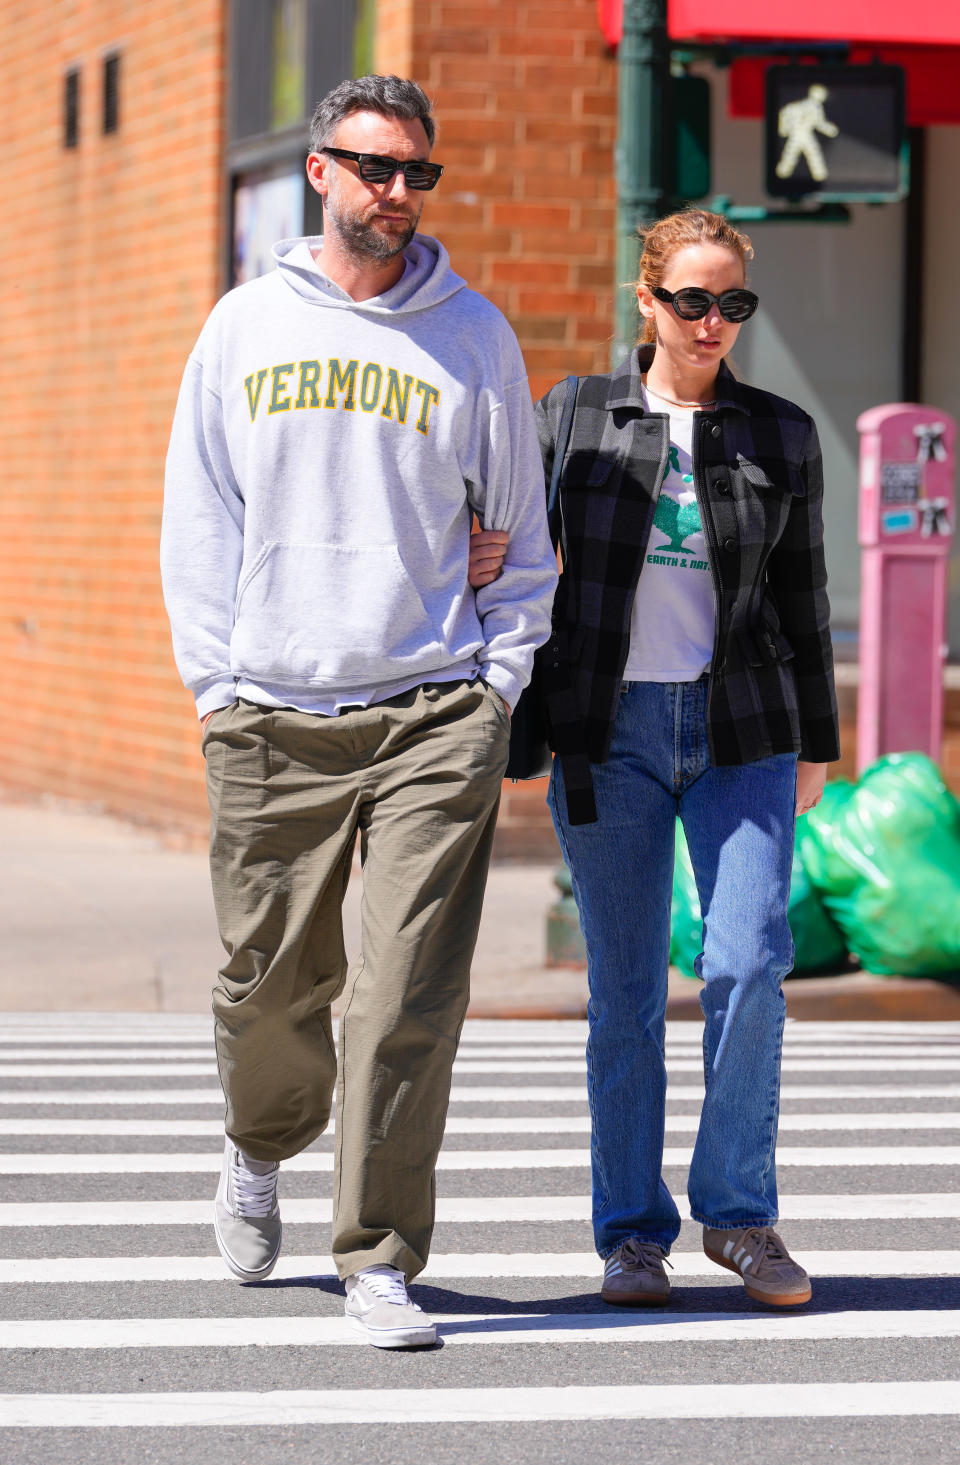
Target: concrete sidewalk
[99,915]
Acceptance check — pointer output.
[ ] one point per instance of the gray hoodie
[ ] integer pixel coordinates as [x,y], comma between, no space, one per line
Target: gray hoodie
[325,460]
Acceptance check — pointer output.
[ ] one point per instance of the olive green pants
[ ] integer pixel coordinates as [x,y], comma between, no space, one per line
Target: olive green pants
[419,777]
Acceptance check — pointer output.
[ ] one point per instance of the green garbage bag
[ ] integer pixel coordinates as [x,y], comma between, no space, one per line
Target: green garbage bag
[686,923]
[823,858]
[819,945]
[885,857]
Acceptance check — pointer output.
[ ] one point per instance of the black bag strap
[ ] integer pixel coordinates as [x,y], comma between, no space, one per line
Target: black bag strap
[554,508]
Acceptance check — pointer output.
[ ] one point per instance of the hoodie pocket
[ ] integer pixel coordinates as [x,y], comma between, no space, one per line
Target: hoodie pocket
[330,615]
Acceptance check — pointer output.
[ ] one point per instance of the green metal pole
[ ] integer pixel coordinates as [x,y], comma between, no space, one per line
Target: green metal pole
[643,82]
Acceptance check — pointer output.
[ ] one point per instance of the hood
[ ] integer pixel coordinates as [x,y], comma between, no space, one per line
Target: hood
[426,281]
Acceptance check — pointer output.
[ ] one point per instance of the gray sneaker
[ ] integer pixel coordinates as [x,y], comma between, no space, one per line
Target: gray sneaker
[377,1304]
[634,1275]
[769,1272]
[246,1217]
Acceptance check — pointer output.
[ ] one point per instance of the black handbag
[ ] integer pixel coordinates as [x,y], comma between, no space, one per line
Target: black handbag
[530,755]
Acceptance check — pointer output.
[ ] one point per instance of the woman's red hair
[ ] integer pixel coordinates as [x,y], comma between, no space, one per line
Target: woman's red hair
[679,231]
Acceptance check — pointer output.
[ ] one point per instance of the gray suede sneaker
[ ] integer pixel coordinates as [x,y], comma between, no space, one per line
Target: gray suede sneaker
[377,1304]
[634,1275]
[246,1217]
[769,1272]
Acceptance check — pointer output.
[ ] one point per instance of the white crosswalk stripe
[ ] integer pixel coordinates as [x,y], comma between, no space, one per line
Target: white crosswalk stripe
[470,1329]
[96,1119]
[461,1210]
[471,1405]
[553,1124]
[539,1054]
[319,1162]
[525,1093]
[57,1270]
[140,1068]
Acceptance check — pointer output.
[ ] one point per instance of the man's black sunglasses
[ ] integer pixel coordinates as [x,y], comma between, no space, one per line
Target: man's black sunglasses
[693,303]
[374,168]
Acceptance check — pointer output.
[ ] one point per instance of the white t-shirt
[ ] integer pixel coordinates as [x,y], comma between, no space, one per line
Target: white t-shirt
[674,618]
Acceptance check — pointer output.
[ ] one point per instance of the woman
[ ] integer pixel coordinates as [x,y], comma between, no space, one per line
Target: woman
[689,674]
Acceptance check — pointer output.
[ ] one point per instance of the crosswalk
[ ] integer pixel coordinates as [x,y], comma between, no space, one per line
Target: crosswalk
[122,1336]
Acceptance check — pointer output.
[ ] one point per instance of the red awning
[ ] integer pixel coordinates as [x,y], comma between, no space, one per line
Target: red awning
[928,33]
[933,82]
[923,23]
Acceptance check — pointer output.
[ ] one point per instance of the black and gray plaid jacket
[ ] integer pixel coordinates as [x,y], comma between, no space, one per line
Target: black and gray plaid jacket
[759,484]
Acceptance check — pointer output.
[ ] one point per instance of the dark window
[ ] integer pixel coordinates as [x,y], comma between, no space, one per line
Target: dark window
[71,109]
[284,55]
[111,94]
[288,71]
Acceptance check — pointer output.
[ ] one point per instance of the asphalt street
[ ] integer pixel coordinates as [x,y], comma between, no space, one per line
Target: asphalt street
[122,1337]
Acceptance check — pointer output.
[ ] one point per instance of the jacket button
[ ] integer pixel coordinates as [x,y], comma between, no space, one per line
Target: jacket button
[715,430]
[730,545]
[721,485]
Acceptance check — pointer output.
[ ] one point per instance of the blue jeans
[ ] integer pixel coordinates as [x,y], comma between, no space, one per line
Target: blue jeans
[739,825]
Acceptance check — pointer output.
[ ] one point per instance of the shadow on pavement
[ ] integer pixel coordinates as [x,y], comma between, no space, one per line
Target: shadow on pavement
[831,1294]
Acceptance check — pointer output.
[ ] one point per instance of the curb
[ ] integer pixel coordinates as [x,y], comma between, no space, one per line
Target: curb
[857,997]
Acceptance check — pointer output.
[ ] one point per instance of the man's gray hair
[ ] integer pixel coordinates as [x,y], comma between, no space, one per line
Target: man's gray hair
[391,96]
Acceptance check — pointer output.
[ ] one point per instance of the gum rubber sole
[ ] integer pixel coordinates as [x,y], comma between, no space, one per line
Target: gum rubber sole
[644,1299]
[782,1299]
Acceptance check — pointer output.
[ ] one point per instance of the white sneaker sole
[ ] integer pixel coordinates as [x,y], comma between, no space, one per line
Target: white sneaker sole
[424,1336]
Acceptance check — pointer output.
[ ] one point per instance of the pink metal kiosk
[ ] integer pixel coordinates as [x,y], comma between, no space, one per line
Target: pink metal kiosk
[907,519]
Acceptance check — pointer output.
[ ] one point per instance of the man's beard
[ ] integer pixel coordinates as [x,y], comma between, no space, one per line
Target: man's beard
[360,235]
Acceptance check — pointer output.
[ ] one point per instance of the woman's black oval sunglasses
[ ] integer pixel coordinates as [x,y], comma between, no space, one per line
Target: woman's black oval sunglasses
[693,303]
[375,168]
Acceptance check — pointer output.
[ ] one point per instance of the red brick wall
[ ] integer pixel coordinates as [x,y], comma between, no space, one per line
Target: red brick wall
[393,36]
[110,257]
[525,97]
[111,253]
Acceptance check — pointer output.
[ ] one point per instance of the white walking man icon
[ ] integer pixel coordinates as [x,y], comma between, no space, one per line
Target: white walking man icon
[799,122]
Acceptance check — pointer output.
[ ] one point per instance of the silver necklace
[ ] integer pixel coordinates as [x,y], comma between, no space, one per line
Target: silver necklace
[703,405]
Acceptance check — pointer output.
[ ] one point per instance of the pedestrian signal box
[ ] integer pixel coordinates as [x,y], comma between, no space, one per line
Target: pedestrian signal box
[836,133]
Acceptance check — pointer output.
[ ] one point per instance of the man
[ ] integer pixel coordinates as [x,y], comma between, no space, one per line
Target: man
[340,421]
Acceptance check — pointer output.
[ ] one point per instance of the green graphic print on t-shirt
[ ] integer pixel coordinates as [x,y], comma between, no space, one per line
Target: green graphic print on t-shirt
[677,522]
[677,517]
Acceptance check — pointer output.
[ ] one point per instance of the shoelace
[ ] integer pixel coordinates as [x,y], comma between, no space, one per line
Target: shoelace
[253,1195]
[764,1243]
[645,1253]
[388,1286]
